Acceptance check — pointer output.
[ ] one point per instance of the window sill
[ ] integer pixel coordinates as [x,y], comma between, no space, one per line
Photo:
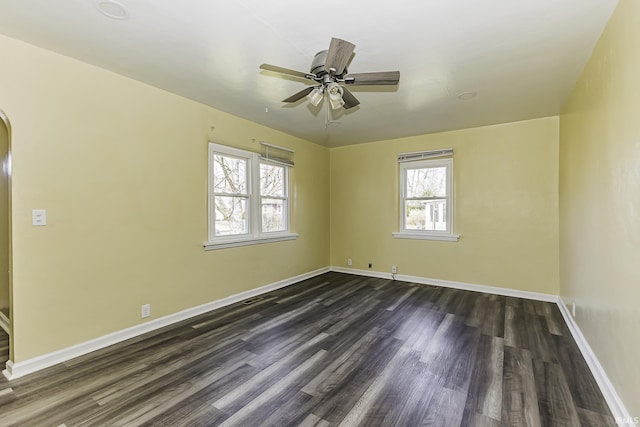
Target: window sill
[425,236]
[246,241]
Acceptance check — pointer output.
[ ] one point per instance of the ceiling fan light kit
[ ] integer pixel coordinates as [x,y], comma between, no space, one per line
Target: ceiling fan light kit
[329,71]
[316,96]
[335,95]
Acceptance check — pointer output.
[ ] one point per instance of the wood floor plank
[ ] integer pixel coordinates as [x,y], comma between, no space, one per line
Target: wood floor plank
[238,311]
[493,324]
[292,412]
[554,397]
[342,293]
[416,387]
[167,375]
[409,392]
[451,353]
[344,362]
[583,386]
[418,330]
[314,421]
[478,313]
[146,402]
[485,391]
[250,387]
[445,409]
[334,349]
[418,318]
[594,419]
[540,343]
[255,411]
[479,420]
[27,408]
[359,411]
[309,290]
[515,334]
[7,395]
[353,315]
[404,296]
[197,408]
[287,317]
[519,396]
[553,318]
[349,388]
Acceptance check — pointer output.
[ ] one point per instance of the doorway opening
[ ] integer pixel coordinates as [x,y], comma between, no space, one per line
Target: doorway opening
[6,291]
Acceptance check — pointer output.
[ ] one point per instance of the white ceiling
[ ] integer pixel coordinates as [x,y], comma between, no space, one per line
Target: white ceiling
[522,57]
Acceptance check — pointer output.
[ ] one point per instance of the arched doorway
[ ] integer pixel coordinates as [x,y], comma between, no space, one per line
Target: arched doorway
[6,292]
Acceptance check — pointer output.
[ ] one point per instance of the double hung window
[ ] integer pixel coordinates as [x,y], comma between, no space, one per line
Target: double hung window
[426,199]
[248,198]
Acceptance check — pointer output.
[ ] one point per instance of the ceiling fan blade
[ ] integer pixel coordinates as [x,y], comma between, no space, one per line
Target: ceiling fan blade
[281,70]
[382,78]
[297,96]
[338,55]
[350,101]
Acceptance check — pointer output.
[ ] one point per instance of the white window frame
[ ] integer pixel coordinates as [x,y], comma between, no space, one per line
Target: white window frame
[254,203]
[448,234]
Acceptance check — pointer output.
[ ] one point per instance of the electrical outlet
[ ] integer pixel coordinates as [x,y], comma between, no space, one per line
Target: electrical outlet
[370,265]
[349,261]
[145,310]
[394,269]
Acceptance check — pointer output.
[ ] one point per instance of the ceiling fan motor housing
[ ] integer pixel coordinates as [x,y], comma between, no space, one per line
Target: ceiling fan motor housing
[317,65]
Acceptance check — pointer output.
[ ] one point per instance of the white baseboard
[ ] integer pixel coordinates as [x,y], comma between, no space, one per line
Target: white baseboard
[613,400]
[20,369]
[538,296]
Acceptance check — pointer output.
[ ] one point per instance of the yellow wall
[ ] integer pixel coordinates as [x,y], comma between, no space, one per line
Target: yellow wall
[505,208]
[600,201]
[121,168]
[4,218]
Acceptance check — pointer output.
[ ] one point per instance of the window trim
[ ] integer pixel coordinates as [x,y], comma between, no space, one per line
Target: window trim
[445,235]
[254,208]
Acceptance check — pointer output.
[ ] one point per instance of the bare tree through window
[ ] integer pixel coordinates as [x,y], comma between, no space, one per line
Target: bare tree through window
[231,195]
[249,196]
[273,197]
[425,198]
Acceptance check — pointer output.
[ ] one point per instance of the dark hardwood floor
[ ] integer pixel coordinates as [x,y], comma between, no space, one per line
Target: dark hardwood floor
[337,350]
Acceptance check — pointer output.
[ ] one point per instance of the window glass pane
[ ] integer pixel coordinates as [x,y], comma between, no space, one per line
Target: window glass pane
[272,180]
[426,182]
[425,215]
[229,174]
[414,211]
[231,215]
[273,215]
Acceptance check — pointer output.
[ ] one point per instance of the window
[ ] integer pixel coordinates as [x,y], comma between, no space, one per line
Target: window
[230,194]
[426,200]
[248,198]
[273,197]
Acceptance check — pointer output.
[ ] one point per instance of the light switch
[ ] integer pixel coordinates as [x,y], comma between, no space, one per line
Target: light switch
[39,217]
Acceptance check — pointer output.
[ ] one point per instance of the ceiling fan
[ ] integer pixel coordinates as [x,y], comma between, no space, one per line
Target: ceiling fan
[329,71]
